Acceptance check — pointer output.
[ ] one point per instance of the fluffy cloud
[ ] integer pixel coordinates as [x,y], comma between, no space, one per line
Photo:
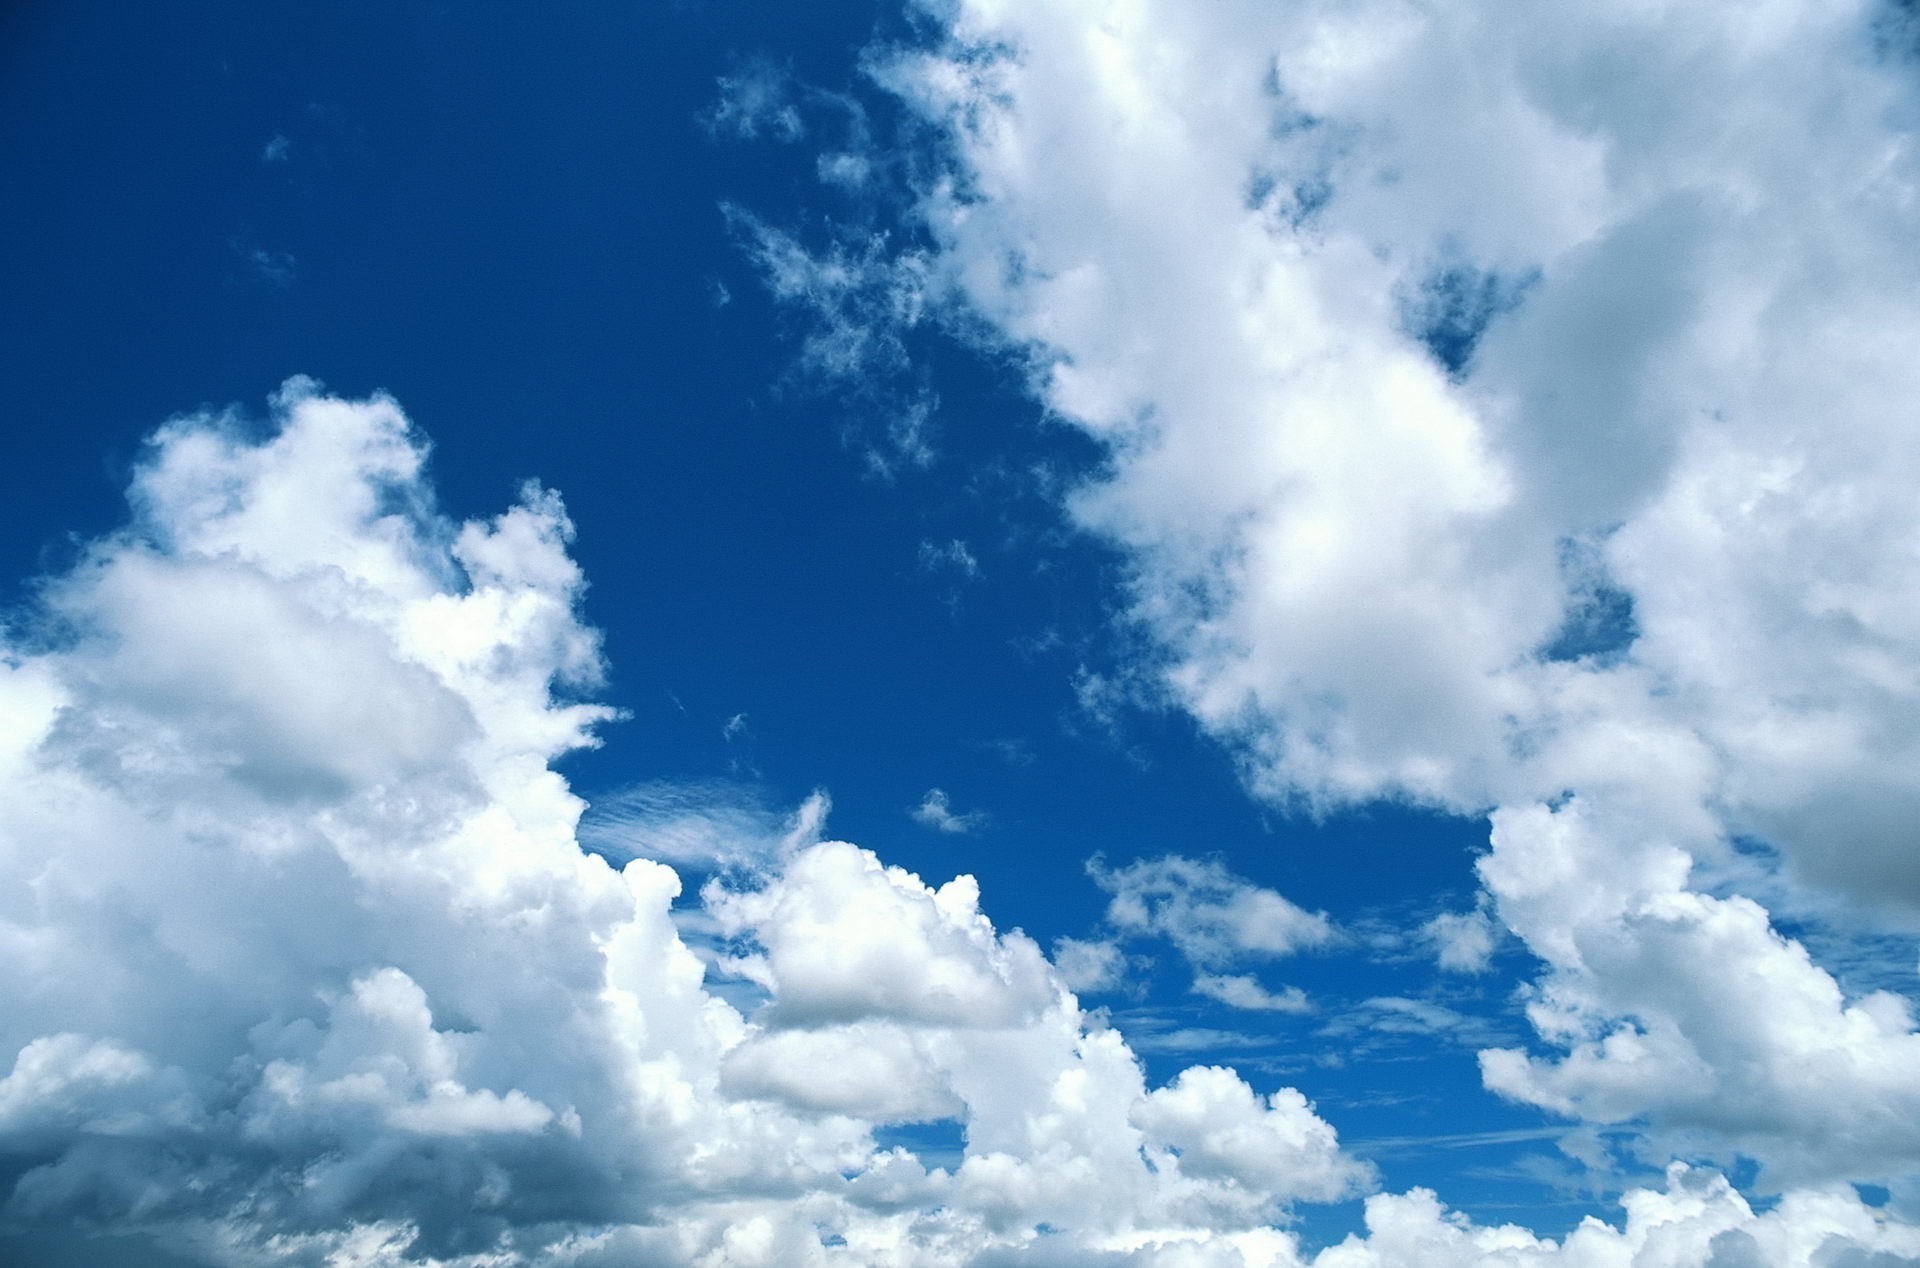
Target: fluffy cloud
[1243,990]
[1210,915]
[309,964]
[1504,409]
[1462,941]
[936,811]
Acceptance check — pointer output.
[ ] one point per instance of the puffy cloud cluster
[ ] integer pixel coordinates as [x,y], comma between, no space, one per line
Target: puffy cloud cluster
[1213,918]
[307,965]
[1507,409]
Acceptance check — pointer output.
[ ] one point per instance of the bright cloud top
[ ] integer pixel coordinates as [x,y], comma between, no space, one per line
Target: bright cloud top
[1508,410]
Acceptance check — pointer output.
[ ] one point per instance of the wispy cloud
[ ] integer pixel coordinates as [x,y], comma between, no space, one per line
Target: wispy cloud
[277,269]
[936,811]
[1243,990]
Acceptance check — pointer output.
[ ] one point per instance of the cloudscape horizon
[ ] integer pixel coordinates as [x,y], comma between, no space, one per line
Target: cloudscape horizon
[949,632]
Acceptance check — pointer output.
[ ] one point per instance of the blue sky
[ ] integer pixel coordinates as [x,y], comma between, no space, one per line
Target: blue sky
[1113,486]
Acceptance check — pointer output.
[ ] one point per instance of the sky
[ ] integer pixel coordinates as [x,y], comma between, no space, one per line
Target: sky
[950,632]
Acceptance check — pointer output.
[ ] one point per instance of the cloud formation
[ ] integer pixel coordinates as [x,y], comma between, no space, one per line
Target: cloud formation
[936,811]
[1211,916]
[1506,411]
[311,965]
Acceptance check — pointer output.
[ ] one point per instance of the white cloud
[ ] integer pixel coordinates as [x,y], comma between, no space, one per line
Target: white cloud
[309,964]
[701,825]
[1697,1220]
[936,811]
[277,269]
[953,554]
[1213,917]
[843,936]
[757,99]
[1462,941]
[1243,990]
[1221,1128]
[1631,562]
[1089,965]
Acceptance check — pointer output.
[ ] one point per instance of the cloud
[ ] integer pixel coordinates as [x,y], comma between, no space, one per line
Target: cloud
[758,98]
[1243,990]
[1211,916]
[1088,966]
[277,269]
[1394,1015]
[954,555]
[312,967]
[1462,941]
[693,824]
[1500,415]
[277,150]
[936,811]
[1696,1219]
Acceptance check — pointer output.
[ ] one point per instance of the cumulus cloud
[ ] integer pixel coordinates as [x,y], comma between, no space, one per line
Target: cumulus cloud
[1462,941]
[1210,915]
[311,965]
[936,811]
[1088,965]
[1504,411]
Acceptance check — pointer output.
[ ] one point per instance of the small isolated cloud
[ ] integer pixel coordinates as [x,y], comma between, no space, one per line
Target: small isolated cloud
[1462,942]
[755,101]
[845,168]
[1011,750]
[1211,916]
[277,269]
[936,811]
[1243,990]
[734,727]
[276,150]
[952,556]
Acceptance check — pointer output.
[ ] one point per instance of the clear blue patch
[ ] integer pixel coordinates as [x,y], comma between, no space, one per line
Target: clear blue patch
[1599,623]
[938,1144]
[1452,307]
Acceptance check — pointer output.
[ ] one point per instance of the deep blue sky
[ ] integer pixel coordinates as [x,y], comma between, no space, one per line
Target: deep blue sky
[510,217]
